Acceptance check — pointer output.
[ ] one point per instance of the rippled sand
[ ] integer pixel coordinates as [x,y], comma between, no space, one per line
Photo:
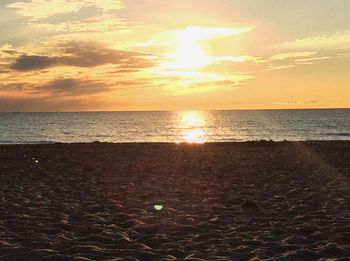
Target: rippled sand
[232,201]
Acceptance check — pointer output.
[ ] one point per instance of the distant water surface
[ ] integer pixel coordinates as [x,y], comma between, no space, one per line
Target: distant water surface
[192,126]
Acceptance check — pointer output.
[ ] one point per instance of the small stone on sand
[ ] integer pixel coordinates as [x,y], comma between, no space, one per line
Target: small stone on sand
[249,204]
[158,207]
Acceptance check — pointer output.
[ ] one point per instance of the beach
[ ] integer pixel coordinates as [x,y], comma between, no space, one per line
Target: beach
[162,201]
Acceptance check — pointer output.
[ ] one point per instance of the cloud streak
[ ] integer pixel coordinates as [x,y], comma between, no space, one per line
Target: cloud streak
[284,56]
[42,9]
[15,103]
[33,62]
[293,59]
[82,54]
[339,40]
[73,87]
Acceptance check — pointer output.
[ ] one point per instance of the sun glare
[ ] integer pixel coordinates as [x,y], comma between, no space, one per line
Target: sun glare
[191,123]
[189,55]
[189,52]
[205,33]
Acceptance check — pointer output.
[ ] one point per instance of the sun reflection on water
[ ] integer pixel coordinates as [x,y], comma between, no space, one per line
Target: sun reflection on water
[191,125]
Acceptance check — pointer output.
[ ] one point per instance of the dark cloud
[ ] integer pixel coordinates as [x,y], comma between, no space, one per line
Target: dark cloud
[83,54]
[11,52]
[33,62]
[73,87]
[125,71]
[223,83]
[3,70]
[12,104]
[220,84]
[60,87]
[91,54]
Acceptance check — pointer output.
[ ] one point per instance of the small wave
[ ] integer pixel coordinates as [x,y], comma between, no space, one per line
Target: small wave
[10,142]
[343,134]
[102,136]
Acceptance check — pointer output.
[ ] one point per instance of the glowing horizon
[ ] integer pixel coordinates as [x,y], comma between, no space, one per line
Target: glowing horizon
[64,55]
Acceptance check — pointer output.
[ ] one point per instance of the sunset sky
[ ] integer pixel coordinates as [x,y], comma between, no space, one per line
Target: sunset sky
[87,55]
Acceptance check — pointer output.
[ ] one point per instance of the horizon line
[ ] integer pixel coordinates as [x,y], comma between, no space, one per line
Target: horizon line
[104,111]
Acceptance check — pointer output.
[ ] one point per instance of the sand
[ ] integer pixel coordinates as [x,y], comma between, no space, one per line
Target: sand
[229,201]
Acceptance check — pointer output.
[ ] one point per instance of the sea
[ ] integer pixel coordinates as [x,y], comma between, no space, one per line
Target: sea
[174,126]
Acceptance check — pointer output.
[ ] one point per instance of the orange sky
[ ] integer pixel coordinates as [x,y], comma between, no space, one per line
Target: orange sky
[86,55]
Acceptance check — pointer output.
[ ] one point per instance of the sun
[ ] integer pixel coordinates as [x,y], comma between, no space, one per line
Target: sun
[189,55]
[190,51]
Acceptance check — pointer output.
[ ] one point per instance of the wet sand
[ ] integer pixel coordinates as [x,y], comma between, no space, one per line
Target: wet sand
[229,201]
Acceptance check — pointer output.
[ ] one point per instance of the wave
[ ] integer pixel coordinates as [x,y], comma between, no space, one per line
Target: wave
[342,134]
[10,142]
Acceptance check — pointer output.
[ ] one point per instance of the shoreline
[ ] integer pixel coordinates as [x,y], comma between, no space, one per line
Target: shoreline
[258,200]
[176,143]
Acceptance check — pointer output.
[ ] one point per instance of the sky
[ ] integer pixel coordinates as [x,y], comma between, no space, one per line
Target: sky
[124,55]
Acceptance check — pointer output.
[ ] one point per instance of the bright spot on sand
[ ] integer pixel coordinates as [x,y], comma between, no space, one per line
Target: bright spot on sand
[158,207]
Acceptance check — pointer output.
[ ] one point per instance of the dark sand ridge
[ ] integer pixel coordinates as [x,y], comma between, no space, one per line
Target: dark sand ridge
[228,201]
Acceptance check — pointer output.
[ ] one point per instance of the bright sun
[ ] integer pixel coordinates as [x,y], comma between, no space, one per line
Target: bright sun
[189,55]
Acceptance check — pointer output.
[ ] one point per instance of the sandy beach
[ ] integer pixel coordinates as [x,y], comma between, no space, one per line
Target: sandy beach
[219,201]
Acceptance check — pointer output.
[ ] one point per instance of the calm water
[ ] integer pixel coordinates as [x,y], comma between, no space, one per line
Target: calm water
[200,126]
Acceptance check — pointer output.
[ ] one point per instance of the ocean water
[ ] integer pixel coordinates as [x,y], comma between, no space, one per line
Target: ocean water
[191,126]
